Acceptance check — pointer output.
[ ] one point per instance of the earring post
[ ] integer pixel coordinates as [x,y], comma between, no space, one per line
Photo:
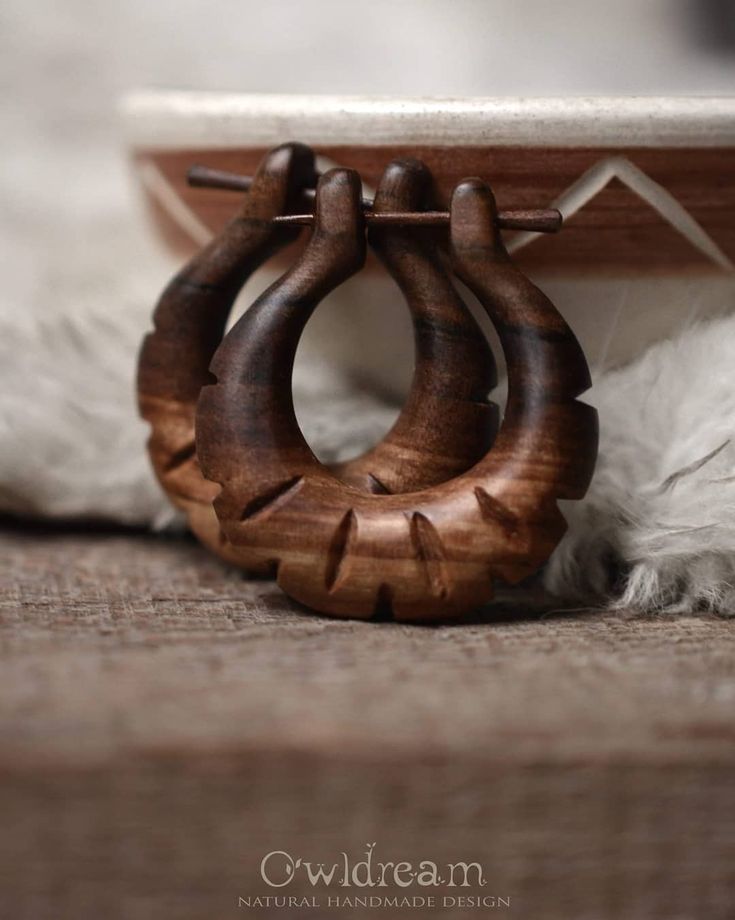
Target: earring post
[537,220]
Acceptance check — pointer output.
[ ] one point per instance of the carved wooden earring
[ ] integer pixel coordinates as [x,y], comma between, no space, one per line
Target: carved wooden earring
[424,554]
[454,366]
[189,322]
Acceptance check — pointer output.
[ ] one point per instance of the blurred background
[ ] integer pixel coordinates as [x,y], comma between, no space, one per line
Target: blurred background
[70,222]
[64,66]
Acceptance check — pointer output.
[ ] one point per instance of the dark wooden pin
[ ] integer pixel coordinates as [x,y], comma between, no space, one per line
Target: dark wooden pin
[538,220]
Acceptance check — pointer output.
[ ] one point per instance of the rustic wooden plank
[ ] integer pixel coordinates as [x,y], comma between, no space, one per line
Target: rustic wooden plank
[165,723]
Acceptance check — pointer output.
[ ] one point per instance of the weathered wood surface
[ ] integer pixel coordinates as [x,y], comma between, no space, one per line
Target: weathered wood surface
[165,723]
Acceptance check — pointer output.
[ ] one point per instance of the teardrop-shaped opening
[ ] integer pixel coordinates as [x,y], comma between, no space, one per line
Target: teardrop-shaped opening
[353,367]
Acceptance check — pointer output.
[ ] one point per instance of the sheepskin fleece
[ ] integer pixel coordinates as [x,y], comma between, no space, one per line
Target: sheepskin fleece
[656,531]
[81,274]
[657,528]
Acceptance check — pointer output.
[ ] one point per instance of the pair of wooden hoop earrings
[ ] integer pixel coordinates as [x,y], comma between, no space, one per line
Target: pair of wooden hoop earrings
[420,526]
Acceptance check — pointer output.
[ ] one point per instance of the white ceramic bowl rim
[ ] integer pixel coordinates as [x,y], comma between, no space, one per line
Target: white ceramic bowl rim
[181,119]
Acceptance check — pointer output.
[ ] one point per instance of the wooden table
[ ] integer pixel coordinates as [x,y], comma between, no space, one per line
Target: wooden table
[164,724]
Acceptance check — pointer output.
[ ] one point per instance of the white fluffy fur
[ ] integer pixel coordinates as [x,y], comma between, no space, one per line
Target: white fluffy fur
[72,444]
[657,529]
[80,274]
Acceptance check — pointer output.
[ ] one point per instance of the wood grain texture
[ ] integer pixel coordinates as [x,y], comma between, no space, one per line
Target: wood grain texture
[454,365]
[454,368]
[426,554]
[189,322]
[617,232]
[165,723]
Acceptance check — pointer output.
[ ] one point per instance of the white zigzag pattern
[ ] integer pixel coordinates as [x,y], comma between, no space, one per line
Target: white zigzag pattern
[571,200]
[604,171]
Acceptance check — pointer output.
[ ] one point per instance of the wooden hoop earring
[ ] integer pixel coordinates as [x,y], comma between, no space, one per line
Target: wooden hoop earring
[189,322]
[420,555]
[454,365]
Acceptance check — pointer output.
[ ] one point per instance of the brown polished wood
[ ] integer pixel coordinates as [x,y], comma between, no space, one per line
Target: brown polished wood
[189,322]
[427,554]
[454,365]
[615,232]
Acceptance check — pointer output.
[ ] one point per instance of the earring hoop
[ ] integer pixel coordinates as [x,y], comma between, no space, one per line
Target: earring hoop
[189,323]
[426,554]
[453,361]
